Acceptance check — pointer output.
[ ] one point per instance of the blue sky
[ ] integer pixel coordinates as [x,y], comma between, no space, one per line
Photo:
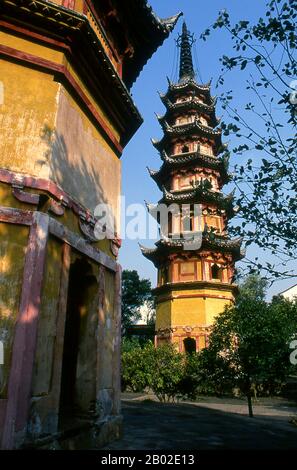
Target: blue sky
[137,185]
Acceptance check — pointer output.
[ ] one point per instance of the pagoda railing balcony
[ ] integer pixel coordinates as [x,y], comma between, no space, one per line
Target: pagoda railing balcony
[184,235]
[192,121]
[197,152]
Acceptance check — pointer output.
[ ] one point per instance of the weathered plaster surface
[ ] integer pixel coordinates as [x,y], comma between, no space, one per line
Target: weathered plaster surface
[12,251]
[82,163]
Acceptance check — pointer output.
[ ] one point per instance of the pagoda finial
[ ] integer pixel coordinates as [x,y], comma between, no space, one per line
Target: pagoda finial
[185,42]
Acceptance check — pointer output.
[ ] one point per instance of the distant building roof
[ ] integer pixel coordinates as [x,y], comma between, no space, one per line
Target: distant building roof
[290,293]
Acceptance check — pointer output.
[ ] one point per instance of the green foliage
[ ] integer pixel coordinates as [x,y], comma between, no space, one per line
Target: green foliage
[251,340]
[135,292]
[253,287]
[160,370]
[249,350]
[136,365]
[167,372]
[264,56]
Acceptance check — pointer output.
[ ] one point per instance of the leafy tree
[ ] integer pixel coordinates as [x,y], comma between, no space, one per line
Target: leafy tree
[159,369]
[253,286]
[265,59]
[136,365]
[251,340]
[167,372]
[135,292]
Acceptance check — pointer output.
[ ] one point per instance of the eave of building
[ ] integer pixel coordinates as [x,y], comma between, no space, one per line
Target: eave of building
[147,31]
[186,161]
[190,130]
[165,247]
[185,106]
[70,31]
[198,195]
[169,287]
[189,83]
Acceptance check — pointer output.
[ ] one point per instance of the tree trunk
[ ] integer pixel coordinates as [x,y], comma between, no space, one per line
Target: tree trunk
[250,405]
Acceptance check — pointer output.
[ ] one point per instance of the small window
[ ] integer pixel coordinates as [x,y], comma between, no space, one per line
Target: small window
[185,148]
[188,223]
[216,272]
[190,345]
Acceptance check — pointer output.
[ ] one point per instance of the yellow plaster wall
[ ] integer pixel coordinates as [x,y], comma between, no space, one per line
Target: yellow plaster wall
[36,138]
[12,253]
[47,323]
[213,307]
[30,105]
[82,162]
[163,315]
[194,310]
[101,113]
[106,354]
[189,311]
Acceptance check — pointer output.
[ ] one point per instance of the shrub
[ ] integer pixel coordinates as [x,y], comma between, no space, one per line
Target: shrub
[167,372]
[136,365]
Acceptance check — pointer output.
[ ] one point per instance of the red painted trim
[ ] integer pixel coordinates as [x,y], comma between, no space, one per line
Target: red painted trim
[69,4]
[63,233]
[34,35]
[91,7]
[22,217]
[116,366]
[15,216]
[22,196]
[24,345]
[60,332]
[62,70]
[192,296]
[9,177]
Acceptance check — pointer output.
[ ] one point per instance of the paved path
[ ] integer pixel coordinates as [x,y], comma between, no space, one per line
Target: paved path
[149,425]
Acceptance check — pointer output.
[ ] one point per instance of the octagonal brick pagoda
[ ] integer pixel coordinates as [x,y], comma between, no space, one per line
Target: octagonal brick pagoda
[194,285]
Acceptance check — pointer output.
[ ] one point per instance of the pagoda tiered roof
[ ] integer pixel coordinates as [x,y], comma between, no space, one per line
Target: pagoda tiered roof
[188,84]
[182,100]
[184,106]
[188,159]
[189,130]
[198,195]
[209,241]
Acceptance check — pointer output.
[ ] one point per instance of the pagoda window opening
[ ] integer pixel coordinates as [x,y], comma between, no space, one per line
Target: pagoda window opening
[206,149]
[164,275]
[213,221]
[186,181]
[187,222]
[185,148]
[216,272]
[190,345]
[203,121]
[187,271]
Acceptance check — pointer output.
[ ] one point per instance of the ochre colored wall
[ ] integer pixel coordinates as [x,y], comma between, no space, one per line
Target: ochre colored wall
[47,325]
[197,307]
[36,138]
[12,252]
[107,334]
[82,163]
[30,105]
[188,311]
[163,315]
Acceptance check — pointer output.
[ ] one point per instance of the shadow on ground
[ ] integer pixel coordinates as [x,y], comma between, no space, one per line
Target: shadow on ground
[151,425]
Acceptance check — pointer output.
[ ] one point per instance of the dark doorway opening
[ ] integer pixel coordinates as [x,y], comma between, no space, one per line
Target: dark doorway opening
[190,345]
[80,274]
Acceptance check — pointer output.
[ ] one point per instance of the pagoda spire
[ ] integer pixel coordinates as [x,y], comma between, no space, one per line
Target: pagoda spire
[185,42]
